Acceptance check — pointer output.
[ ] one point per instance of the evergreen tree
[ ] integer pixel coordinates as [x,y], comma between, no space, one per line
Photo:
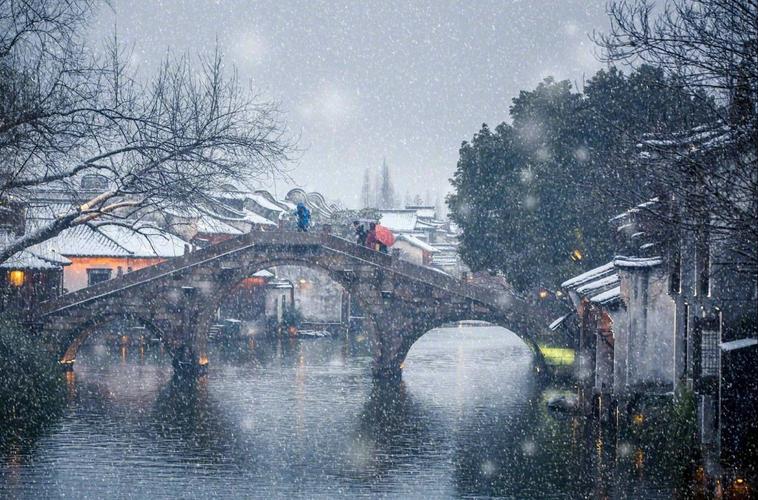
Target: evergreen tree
[530,194]
[366,189]
[386,191]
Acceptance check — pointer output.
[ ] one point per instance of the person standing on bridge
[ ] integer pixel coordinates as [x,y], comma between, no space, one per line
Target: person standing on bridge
[379,238]
[370,240]
[384,237]
[303,217]
[360,233]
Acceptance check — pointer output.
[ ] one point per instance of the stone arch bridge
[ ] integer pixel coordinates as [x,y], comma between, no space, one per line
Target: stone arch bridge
[178,299]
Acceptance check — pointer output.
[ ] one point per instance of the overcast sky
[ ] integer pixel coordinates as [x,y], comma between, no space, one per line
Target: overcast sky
[359,81]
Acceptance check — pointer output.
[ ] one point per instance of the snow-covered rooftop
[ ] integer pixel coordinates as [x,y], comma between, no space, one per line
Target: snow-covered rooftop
[116,241]
[254,218]
[588,276]
[210,225]
[423,211]
[703,137]
[608,296]
[264,202]
[638,208]
[417,243]
[599,283]
[26,259]
[401,221]
[622,261]
[35,257]
[555,324]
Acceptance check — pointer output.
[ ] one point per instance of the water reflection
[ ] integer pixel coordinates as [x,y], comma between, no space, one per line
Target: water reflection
[290,418]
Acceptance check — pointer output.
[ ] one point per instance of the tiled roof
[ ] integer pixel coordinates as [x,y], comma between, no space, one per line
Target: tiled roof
[116,241]
[588,276]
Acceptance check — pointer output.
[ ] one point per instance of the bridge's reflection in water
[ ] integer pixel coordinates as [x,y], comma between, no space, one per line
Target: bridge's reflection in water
[292,418]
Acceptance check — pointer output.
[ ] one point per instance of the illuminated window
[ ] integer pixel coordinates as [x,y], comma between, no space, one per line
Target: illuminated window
[16,278]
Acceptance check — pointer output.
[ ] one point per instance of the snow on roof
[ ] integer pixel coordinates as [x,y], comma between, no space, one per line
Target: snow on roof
[437,269]
[648,245]
[47,210]
[555,324]
[402,221]
[634,210]
[28,260]
[702,137]
[116,241]
[608,296]
[210,225]
[264,273]
[255,218]
[621,261]
[424,211]
[733,345]
[417,243]
[149,242]
[264,202]
[598,284]
[35,257]
[588,276]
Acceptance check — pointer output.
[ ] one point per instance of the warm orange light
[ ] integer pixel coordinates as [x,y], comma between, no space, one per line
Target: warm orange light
[292,330]
[576,255]
[203,360]
[543,294]
[252,282]
[638,419]
[16,277]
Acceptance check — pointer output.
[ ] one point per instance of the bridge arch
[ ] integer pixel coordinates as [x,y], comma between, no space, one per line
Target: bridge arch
[421,324]
[538,360]
[71,340]
[333,270]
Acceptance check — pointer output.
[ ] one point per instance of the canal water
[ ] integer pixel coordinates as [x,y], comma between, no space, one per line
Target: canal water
[303,418]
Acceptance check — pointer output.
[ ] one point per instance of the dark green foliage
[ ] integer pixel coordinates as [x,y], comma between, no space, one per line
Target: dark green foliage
[32,393]
[530,193]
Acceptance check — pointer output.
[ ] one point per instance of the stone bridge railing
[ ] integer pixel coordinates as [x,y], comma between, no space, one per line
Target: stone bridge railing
[284,238]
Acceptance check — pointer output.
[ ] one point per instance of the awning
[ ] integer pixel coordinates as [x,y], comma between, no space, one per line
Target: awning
[733,345]
[558,322]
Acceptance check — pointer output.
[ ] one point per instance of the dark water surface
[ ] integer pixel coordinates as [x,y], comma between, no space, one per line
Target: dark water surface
[304,419]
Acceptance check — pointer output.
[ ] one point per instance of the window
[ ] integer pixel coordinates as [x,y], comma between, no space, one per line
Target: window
[709,362]
[16,278]
[95,276]
[94,182]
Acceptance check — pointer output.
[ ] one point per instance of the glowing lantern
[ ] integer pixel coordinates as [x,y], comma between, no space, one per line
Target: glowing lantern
[576,255]
[543,294]
[16,277]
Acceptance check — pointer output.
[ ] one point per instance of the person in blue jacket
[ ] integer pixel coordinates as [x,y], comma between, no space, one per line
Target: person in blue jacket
[303,217]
